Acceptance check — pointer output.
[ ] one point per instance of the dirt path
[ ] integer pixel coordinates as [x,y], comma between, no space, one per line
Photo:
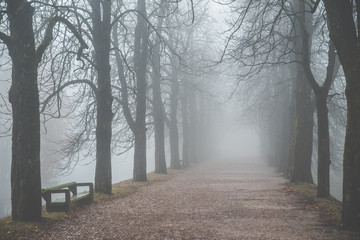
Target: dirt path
[214,201]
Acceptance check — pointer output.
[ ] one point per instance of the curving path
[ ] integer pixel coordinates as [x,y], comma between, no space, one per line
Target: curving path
[226,200]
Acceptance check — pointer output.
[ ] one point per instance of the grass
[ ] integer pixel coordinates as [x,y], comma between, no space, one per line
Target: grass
[12,230]
[329,208]
[128,187]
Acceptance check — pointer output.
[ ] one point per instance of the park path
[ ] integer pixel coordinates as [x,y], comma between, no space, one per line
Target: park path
[223,200]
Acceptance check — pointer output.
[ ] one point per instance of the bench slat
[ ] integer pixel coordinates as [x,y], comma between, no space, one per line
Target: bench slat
[58,186]
[73,197]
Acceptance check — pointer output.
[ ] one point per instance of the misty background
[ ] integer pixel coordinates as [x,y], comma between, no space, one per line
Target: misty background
[236,132]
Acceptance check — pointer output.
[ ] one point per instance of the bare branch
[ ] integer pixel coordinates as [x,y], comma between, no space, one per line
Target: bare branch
[316,4]
[124,86]
[49,37]
[86,81]
[332,67]
[5,38]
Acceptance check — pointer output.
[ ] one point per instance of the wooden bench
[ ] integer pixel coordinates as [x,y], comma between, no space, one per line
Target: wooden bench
[63,204]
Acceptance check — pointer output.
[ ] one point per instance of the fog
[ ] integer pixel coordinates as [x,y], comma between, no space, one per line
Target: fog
[232,139]
[242,105]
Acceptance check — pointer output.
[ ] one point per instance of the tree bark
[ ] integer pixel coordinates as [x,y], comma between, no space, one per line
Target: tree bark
[351,165]
[291,143]
[303,131]
[159,124]
[158,113]
[202,126]
[285,136]
[139,174]
[193,126]
[140,62]
[101,36]
[24,98]
[321,94]
[323,189]
[185,126]
[304,104]
[137,126]
[173,126]
[343,33]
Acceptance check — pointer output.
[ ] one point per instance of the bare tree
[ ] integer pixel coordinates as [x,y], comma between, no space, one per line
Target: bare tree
[305,106]
[288,45]
[137,124]
[101,30]
[158,112]
[96,18]
[269,44]
[24,98]
[173,121]
[344,32]
[321,96]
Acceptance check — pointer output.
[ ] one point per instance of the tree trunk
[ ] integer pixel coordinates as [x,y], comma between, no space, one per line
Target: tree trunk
[285,136]
[202,129]
[24,98]
[291,143]
[140,62]
[101,38]
[139,174]
[185,127]
[273,141]
[173,128]
[159,122]
[321,94]
[323,189]
[344,31]
[303,132]
[304,104]
[193,126]
[174,147]
[351,165]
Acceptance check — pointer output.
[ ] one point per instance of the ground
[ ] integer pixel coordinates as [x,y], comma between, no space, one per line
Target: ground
[223,200]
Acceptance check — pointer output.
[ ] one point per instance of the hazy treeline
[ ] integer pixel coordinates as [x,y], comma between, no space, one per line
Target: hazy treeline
[300,81]
[120,71]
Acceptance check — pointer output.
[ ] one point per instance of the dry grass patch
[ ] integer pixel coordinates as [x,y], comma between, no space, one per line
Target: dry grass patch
[12,230]
[330,208]
[128,187]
